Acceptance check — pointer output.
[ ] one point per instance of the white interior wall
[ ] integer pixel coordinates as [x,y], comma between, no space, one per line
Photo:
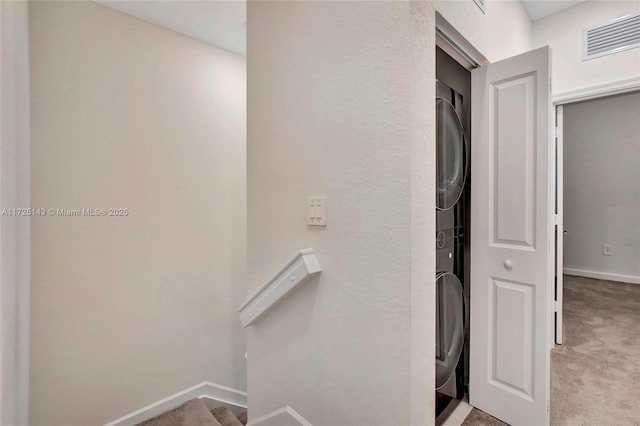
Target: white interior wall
[563,32]
[129,310]
[14,229]
[601,191]
[504,30]
[340,103]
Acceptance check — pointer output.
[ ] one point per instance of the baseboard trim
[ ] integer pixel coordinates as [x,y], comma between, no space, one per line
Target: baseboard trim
[602,275]
[208,390]
[285,416]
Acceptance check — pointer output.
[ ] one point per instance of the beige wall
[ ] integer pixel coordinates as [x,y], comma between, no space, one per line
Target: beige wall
[503,31]
[340,103]
[129,310]
[14,230]
[563,32]
[601,190]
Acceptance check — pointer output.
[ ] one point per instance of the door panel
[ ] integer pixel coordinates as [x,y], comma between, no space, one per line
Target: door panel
[511,343]
[513,176]
[511,258]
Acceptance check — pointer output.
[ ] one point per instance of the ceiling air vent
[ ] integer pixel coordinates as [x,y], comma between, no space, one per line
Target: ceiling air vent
[617,35]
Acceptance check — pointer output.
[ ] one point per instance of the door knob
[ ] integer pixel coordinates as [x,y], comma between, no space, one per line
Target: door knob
[508,265]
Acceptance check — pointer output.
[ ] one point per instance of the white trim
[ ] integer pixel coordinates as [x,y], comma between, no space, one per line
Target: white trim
[209,390]
[598,91]
[559,222]
[458,415]
[587,93]
[460,49]
[482,6]
[602,275]
[285,416]
[15,271]
[451,48]
[299,269]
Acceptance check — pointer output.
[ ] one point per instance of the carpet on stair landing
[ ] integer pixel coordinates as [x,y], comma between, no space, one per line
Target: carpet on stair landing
[480,418]
[196,413]
[191,413]
[226,417]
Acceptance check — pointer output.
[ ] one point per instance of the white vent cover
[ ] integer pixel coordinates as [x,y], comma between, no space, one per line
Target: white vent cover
[617,35]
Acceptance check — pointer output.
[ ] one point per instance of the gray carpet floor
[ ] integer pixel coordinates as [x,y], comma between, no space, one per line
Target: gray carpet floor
[595,374]
[480,418]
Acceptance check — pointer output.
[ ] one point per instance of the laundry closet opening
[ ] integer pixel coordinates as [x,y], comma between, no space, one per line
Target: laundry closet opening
[453,196]
[495,186]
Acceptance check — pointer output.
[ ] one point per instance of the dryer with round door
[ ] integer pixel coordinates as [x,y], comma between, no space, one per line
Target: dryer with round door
[451,173]
[450,330]
[451,152]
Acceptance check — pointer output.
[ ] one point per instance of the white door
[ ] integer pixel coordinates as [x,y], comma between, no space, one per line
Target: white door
[512,209]
[559,228]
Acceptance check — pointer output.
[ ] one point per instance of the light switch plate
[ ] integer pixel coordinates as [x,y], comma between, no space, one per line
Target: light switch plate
[317,211]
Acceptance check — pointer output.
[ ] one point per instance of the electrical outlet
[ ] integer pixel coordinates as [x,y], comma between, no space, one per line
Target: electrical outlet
[607,250]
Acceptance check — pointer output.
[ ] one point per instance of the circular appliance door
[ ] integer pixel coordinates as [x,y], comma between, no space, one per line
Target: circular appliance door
[449,325]
[451,149]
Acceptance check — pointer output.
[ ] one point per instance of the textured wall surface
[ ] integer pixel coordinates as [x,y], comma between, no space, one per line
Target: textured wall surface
[563,32]
[340,103]
[129,310]
[601,184]
[14,230]
[503,31]
[423,171]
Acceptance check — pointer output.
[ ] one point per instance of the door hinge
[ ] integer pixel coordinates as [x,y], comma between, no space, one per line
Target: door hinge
[556,219]
[556,131]
[555,306]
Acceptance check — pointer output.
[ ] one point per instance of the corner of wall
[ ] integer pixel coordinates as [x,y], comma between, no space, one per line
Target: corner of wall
[15,251]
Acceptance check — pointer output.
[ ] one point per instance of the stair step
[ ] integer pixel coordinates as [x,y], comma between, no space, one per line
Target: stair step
[191,413]
[226,418]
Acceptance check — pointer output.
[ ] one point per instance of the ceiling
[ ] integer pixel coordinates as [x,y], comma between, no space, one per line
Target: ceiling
[220,23]
[540,8]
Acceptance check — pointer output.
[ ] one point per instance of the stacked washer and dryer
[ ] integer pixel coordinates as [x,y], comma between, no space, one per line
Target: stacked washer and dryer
[451,205]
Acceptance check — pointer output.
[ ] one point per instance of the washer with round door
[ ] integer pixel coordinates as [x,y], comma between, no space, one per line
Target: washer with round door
[451,175]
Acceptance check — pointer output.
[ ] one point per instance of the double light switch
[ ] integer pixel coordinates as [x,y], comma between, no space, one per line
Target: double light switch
[317,211]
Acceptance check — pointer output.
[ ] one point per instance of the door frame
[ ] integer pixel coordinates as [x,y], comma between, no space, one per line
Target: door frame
[558,223]
[617,87]
[455,45]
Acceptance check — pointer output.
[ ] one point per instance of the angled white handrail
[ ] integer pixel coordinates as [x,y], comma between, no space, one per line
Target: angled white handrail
[299,269]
